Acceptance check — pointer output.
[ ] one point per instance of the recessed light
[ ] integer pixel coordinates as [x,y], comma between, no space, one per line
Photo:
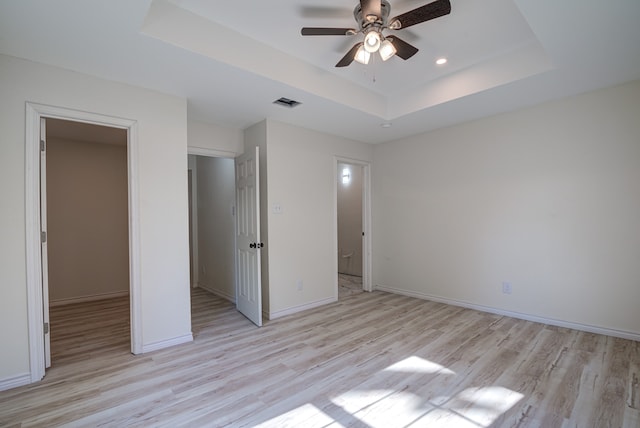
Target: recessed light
[441,61]
[386,124]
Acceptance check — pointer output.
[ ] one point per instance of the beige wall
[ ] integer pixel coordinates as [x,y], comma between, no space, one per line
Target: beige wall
[547,199]
[87,219]
[162,183]
[350,221]
[302,239]
[216,225]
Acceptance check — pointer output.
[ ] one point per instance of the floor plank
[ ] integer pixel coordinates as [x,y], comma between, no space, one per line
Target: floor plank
[368,360]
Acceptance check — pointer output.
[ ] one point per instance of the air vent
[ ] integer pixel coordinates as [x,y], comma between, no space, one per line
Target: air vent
[286,102]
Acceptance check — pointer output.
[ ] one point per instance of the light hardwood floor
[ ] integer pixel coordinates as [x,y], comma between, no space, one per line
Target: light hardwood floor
[349,285]
[369,360]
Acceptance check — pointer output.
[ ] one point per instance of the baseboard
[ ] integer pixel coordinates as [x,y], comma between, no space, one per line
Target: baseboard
[90,298]
[300,308]
[167,343]
[219,293]
[15,381]
[528,317]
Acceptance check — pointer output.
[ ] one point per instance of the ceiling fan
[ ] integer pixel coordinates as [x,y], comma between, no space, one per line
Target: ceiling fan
[372,17]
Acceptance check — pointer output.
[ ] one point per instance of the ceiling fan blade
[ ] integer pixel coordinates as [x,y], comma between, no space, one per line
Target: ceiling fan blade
[371,9]
[424,13]
[318,31]
[350,56]
[403,49]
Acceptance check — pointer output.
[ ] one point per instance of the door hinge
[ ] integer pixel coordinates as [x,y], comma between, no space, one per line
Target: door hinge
[43,237]
[46,328]
[42,145]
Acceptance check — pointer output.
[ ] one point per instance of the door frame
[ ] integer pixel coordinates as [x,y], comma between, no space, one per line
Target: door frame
[35,298]
[215,153]
[210,153]
[366,219]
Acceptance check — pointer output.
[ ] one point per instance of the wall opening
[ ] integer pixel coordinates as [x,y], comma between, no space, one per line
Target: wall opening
[212,224]
[350,228]
[87,246]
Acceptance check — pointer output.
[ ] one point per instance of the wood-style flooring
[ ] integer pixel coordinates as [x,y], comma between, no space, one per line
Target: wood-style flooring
[369,360]
[349,285]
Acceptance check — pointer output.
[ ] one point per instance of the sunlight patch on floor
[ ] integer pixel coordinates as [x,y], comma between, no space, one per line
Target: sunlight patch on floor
[407,400]
[400,396]
[415,364]
[477,407]
[382,408]
[484,405]
[306,415]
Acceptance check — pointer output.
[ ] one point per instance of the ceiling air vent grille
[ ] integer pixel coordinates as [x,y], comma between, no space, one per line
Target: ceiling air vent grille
[286,102]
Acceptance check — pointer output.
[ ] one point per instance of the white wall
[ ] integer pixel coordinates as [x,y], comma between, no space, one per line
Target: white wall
[547,199]
[87,220]
[350,220]
[228,142]
[302,239]
[216,225]
[162,154]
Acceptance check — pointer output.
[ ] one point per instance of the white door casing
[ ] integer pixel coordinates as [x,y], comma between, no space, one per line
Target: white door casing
[248,282]
[44,242]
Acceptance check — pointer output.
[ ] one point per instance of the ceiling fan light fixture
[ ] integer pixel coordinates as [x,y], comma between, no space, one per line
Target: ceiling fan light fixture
[394,25]
[362,56]
[372,19]
[387,50]
[372,41]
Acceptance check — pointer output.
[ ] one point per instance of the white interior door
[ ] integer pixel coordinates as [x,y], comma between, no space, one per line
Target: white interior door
[248,286]
[43,240]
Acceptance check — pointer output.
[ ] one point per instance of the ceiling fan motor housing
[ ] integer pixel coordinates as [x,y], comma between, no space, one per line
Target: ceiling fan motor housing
[364,23]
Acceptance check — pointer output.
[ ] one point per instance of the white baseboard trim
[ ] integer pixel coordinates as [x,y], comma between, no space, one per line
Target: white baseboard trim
[15,381]
[219,293]
[90,298]
[528,317]
[300,308]
[167,343]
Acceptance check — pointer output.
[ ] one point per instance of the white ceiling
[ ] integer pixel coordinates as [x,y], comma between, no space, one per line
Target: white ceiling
[232,59]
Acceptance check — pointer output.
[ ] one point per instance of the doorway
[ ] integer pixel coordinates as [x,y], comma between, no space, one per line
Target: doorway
[223,261]
[37,272]
[87,245]
[352,227]
[212,224]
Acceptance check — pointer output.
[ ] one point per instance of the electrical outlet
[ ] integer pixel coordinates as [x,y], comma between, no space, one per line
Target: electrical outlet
[506,287]
[299,285]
